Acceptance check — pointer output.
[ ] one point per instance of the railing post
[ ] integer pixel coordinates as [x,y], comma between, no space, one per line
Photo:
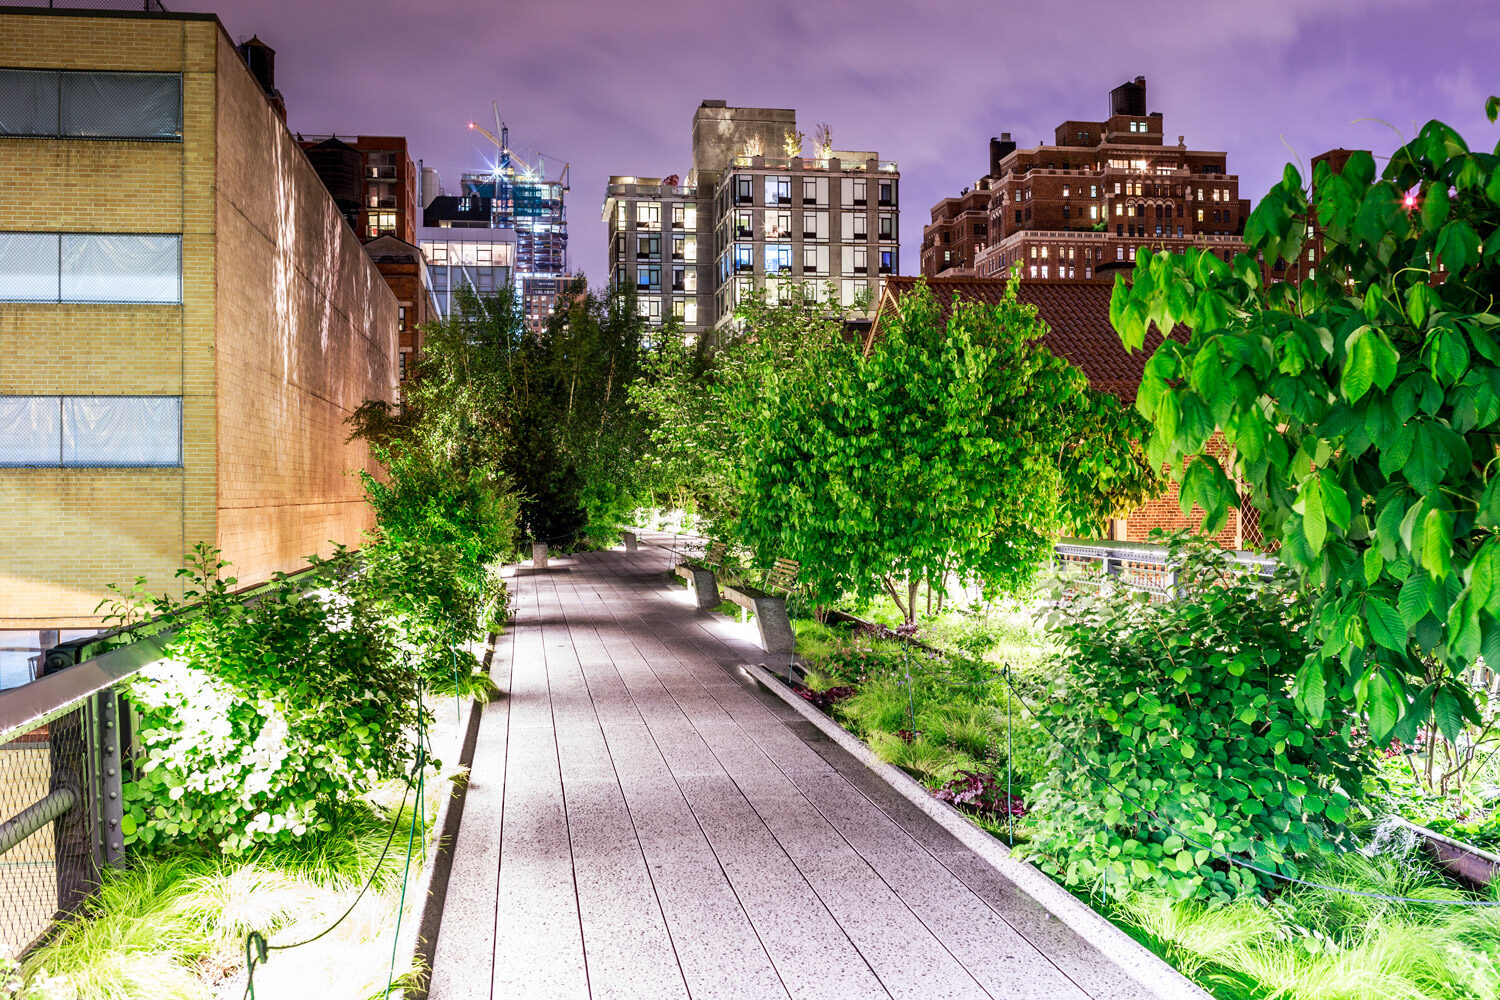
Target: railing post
[111,766]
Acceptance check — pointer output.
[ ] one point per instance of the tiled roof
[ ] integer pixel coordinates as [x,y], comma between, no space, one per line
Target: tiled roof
[1077,318]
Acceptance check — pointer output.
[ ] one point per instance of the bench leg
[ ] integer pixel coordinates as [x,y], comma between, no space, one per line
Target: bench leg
[706,589]
[774,625]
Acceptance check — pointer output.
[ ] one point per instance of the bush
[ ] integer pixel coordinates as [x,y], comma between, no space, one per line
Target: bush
[1193,747]
[269,716]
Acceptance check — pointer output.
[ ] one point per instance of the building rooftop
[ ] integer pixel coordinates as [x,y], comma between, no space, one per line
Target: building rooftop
[1076,314]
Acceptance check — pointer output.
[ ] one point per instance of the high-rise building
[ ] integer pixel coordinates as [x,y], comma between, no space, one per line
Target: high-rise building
[185,345]
[526,202]
[754,213]
[1078,209]
[661,244]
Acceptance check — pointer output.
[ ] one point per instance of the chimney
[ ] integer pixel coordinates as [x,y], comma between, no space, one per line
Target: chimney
[999,149]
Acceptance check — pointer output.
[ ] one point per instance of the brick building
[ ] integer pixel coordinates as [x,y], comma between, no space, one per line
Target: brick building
[372,178]
[183,345]
[1079,208]
[1076,314]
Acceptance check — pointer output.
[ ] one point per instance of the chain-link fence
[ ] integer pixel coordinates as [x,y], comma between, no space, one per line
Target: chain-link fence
[60,798]
[145,5]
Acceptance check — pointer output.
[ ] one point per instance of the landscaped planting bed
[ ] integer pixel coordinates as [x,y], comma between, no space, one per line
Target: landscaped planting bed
[977,702]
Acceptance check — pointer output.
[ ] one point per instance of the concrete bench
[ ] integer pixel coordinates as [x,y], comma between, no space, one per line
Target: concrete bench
[770,617]
[769,608]
[539,555]
[703,583]
[628,537]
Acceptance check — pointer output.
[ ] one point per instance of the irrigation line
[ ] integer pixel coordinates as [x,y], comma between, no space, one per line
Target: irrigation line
[1089,766]
[257,948]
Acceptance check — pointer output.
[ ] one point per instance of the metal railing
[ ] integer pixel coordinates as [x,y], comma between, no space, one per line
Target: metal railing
[1138,565]
[65,749]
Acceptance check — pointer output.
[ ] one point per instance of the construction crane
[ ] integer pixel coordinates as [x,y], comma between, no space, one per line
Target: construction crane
[509,160]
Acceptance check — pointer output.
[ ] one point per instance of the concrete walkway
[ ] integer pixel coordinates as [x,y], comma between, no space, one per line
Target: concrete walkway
[644,821]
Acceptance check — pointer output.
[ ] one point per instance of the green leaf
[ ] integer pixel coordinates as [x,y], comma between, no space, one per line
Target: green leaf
[1387,627]
[1373,564]
[1434,207]
[1310,688]
[1382,706]
[1447,713]
[1457,246]
[1492,107]
[1314,519]
[1437,543]
[1359,365]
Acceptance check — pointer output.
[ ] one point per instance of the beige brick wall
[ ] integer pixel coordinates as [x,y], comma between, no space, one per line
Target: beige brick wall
[65,534]
[285,327]
[306,332]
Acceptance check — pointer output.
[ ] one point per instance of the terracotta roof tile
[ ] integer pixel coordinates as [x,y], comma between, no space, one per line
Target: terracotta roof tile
[1077,318]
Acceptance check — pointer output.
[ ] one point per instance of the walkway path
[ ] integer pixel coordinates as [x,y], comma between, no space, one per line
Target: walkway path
[644,821]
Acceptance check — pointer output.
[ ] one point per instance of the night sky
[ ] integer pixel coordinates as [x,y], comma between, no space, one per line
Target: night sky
[611,86]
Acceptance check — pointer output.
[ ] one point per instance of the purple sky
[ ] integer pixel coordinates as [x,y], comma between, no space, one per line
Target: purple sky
[611,86]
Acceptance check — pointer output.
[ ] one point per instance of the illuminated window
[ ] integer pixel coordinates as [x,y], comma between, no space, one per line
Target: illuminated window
[1044,272]
[778,190]
[679,308]
[1200,215]
[1033,270]
[887,227]
[742,226]
[678,247]
[690,248]
[648,278]
[647,247]
[647,215]
[690,313]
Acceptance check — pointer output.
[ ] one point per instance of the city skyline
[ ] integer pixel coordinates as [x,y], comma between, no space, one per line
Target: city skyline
[611,89]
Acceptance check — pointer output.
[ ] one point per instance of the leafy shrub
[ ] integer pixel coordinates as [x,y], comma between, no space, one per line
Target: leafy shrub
[268,717]
[1186,739]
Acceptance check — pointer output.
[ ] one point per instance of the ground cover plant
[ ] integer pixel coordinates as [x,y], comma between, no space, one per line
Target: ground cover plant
[173,925]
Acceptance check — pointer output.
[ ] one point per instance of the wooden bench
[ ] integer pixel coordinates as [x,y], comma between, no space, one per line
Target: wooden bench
[701,576]
[770,608]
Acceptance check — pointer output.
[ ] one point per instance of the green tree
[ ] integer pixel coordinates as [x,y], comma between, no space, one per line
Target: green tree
[1363,408]
[942,452]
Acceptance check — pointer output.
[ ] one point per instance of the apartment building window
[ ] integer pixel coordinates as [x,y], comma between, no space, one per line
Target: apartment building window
[678,278]
[647,247]
[742,194]
[1067,211]
[619,248]
[91,431]
[1119,253]
[856,191]
[1200,215]
[778,258]
[1179,230]
[887,192]
[648,278]
[853,290]
[856,226]
[73,104]
[887,261]
[779,224]
[1018,216]
[382,224]
[90,267]
[649,307]
[743,227]
[744,258]
[679,246]
[679,215]
[619,215]
[809,191]
[690,248]
[778,190]
[861,260]
[887,227]
[647,215]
